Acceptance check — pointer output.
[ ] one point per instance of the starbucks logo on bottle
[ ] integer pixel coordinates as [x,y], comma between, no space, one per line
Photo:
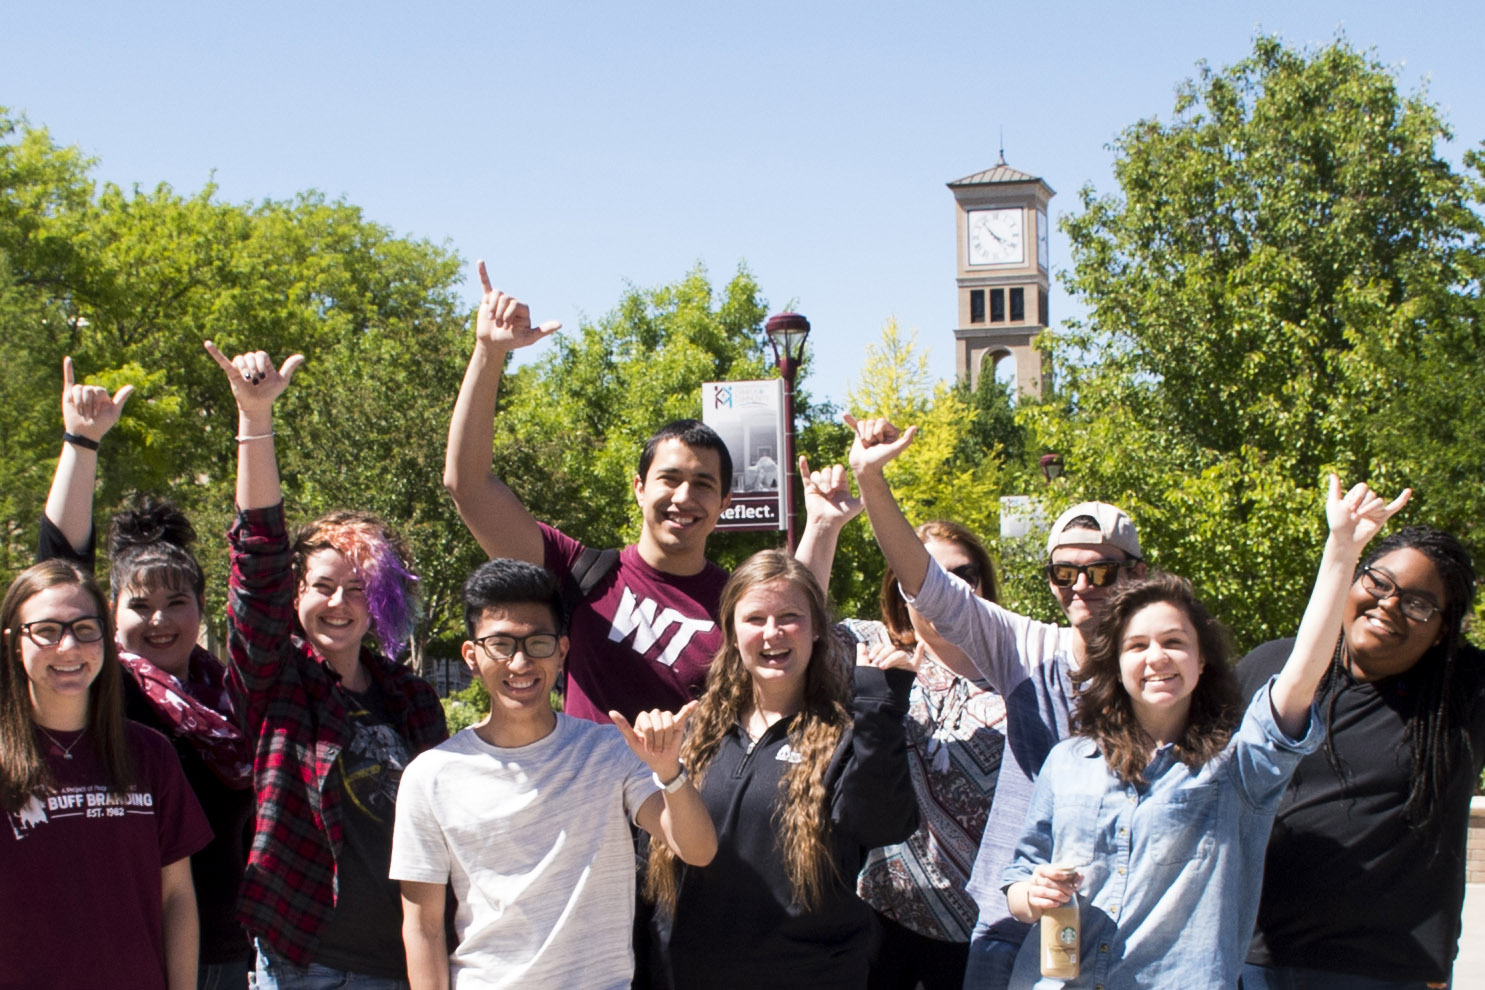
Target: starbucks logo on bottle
[1067,936]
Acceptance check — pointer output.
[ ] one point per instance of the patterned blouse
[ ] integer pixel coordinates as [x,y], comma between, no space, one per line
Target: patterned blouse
[955,734]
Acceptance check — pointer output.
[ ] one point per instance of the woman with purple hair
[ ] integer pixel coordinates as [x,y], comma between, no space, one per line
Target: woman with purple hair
[313,623]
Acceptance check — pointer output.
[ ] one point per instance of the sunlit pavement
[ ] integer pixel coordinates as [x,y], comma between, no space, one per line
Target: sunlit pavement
[1469,968]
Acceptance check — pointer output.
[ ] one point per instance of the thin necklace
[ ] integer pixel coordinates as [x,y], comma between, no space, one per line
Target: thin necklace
[66,750]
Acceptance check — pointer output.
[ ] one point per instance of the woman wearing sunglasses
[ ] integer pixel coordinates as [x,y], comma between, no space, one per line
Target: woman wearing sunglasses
[1365,872]
[955,735]
[94,860]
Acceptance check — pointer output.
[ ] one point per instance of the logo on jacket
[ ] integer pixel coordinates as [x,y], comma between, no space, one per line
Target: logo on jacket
[789,755]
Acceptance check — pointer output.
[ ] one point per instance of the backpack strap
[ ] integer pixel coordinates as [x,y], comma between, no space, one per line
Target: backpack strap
[590,568]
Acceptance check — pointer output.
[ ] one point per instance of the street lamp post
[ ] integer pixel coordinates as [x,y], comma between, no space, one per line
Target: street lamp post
[1051,467]
[787,333]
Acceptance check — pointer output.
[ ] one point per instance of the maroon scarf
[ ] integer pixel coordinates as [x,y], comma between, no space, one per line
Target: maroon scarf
[200,713]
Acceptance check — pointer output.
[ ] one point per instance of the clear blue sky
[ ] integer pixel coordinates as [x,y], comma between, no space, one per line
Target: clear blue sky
[582,146]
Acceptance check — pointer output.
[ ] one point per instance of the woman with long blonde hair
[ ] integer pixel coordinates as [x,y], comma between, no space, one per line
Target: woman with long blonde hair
[800,778]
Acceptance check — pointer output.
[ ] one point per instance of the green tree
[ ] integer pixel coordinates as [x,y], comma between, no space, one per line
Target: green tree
[1286,284]
[131,282]
[945,474]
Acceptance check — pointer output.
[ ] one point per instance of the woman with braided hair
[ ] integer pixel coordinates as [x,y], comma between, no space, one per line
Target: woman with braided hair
[1364,879]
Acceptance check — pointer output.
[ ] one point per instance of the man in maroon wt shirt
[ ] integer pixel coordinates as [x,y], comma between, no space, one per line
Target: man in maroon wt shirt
[644,634]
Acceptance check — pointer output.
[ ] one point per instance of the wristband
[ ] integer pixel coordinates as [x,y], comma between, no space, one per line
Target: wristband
[256,436]
[78,441]
[675,784]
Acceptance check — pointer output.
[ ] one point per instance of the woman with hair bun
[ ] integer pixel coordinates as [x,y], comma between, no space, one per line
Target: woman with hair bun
[313,626]
[170,683]
[800,779]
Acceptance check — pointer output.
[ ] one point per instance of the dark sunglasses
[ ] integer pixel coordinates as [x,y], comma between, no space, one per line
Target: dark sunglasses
[968,573]
[1100,573]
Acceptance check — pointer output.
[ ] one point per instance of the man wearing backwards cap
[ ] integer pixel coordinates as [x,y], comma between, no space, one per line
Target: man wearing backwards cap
[1092,546]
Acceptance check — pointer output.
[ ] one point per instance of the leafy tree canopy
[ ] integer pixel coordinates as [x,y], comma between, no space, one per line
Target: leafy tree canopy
[1287,283]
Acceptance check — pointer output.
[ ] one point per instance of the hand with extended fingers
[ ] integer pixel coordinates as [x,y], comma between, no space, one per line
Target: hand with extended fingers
[88,410]
[886,656]
[504,321]
[656,737]
[827,494]
[877,442]
[255,381]
[1357,516]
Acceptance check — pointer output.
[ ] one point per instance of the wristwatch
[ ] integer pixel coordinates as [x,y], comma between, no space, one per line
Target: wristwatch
[675,783]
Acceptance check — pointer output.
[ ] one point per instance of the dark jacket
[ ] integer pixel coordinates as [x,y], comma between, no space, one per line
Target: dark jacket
[735,924]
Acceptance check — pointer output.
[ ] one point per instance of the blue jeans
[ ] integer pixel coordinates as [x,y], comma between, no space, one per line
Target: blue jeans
[990,962]
[232,975]
[274,973]
[1293,978]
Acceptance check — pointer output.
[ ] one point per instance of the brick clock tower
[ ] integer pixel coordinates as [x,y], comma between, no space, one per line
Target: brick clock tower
[1000,220]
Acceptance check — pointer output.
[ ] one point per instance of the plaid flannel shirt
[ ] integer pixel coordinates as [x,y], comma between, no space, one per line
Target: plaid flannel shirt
[293,708]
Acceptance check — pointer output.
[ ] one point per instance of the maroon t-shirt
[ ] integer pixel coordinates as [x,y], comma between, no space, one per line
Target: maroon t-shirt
[641,639]
[80,869]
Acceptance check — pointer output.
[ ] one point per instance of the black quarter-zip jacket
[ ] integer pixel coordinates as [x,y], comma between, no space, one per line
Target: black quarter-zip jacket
[735,922]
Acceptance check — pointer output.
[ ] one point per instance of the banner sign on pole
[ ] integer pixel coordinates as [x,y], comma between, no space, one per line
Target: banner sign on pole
[749,416]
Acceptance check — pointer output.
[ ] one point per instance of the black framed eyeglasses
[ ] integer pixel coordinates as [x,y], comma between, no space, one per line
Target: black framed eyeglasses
[1419,608]
[499,646]
[49,632]
[1100,573]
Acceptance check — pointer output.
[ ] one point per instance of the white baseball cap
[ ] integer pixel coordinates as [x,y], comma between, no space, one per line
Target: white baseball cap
[1114,528]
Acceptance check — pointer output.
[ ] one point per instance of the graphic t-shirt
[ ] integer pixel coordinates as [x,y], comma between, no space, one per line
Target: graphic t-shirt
[364,934]
[80,868]
[642,638]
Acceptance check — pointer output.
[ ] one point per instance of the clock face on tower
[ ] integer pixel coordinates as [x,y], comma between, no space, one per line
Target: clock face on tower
[996,237]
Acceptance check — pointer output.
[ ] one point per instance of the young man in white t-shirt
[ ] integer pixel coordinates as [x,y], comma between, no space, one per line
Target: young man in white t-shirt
[527,813]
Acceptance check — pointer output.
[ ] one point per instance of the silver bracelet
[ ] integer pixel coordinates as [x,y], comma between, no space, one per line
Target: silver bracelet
[256,436]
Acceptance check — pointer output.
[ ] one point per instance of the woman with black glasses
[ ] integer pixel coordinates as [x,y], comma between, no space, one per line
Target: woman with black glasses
[95,861]
[1364,879]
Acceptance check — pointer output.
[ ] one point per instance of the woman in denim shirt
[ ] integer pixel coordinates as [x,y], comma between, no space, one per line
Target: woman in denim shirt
[1156,812]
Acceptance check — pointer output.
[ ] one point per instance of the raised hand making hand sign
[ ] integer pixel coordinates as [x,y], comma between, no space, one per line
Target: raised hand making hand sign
[504,321]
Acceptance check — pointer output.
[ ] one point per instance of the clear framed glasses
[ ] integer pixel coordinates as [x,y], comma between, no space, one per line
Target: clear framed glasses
[1417,607]
[49,632]
[1100,573]
[537,646]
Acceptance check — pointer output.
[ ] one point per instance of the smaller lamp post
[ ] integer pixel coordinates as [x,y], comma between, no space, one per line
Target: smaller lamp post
[1051,467]
[787,332]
